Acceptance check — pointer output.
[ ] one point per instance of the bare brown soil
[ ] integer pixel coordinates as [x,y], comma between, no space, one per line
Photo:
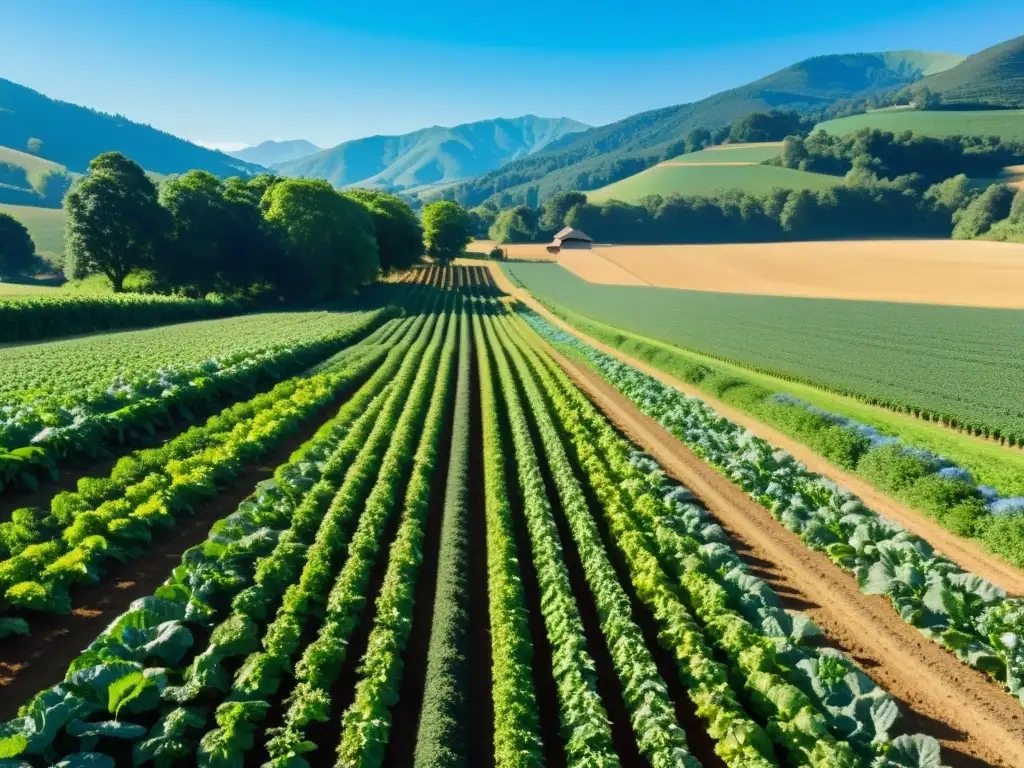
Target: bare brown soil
[976,722]
[964,553]
[955,272]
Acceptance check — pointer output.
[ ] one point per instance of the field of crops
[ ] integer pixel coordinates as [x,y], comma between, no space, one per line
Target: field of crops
[453,558]
[81,397]
[962,365]
[1005,123]
[707,179]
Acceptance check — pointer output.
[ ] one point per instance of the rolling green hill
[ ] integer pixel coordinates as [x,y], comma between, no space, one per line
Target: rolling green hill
[1005,123]
[731,153]
[45,225]
[596,157]
[34,166]
[269,152]
[703,179]
[992,76]
[431,156]
[72,136]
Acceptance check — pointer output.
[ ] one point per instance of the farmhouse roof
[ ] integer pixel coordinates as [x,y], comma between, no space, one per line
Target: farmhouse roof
[573,234]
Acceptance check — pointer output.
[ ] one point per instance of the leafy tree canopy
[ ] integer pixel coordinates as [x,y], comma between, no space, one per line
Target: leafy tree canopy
[399,233]
[329,240]
[448,230]
[114,222]
[516,225]
[17,251]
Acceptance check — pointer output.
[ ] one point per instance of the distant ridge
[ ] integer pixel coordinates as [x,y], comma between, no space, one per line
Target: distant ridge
[992,76]
[269,152]
[431,156]
[602,155]
[72,136]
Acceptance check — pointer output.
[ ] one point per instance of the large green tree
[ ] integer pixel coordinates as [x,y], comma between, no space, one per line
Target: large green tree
[552,216]
[193,260]
[17,251]
[329,240]
[399,232]
[989,207]
[516,225]
[114,222]
[448,230]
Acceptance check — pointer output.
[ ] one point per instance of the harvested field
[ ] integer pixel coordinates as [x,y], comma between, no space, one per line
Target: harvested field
[953,272]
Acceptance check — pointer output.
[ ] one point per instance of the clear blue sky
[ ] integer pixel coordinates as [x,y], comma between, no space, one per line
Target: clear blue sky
[241,71]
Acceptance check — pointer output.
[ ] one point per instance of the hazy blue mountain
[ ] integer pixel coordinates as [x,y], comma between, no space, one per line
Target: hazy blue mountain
[436,155]
[269,152]
[72,136]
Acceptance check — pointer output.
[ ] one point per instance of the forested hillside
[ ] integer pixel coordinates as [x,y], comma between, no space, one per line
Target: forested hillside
[602,155]
[433,155]
[72,136]
[992,76]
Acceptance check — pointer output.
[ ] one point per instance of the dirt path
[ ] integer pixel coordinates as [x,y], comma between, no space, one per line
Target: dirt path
[964,553]
[977,723]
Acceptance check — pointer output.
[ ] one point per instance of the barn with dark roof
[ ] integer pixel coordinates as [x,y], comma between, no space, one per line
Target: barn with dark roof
[570,238]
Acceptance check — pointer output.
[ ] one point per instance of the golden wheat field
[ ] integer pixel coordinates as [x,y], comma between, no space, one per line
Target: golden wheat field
[966,273]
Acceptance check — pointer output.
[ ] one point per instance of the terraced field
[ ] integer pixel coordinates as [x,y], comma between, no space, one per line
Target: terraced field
[443,542]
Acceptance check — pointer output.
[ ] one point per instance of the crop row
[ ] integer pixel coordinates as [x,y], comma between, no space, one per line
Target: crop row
[225,590]
[961,611]
[659,737]
[41,317]
[48,551]
[63,370]
[961,366]
[442,738]
[37,435]
[817,704]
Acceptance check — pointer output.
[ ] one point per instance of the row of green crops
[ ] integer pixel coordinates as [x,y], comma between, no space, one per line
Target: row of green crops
[199,652]
[659,737]
[284,639]
[914,469]
[39,434]
[442,738]
[969,616]
[64,370]
[115,518]
[961,365]
[44,317]
[517,739]
[816,704]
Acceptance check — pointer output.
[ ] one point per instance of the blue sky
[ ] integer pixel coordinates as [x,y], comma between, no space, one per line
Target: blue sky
[241,71]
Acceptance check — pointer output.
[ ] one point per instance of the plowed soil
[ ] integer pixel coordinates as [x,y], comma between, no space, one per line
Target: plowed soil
[977,723]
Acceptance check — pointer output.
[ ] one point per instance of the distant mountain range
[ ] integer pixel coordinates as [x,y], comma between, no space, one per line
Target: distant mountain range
[524,159]
[270,152]
[601,155]
[432,156]
[72,136]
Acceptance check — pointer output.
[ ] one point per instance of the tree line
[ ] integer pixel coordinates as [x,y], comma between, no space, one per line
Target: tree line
[264,237]
[924,159]
[866,206]
[260,238]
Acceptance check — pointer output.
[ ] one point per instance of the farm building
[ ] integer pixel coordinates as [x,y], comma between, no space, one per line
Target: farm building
[570,238]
